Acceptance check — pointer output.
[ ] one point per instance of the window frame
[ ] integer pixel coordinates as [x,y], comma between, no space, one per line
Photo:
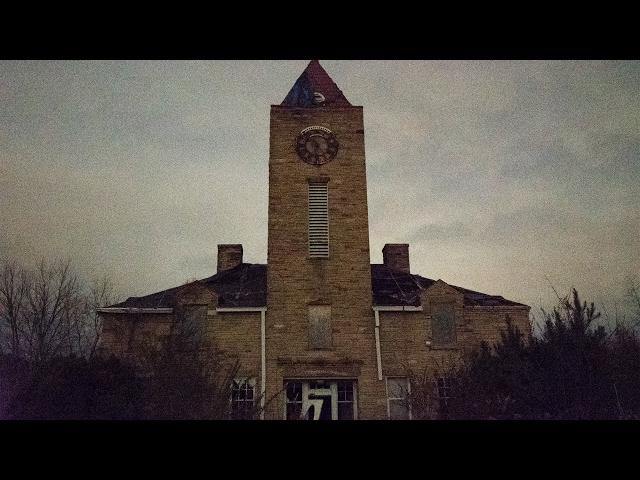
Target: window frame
[242,382]
[406,398]
[296,401]
[443,394]
[354,396]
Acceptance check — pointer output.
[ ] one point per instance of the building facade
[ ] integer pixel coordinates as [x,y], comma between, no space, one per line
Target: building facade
[319,332]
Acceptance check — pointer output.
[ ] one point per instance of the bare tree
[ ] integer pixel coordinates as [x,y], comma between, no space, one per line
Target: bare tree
[184,376]
[14,288]
[50,311]
[54,307]
[88,332]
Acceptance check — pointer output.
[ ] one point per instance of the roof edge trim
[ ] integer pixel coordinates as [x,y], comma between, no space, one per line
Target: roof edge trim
[240,309]
[397,308]
[133,310]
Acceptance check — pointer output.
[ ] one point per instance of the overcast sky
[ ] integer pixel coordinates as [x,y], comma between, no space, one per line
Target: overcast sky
[504,177]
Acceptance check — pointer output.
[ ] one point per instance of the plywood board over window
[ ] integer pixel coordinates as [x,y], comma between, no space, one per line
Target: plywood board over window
[320,327]
[194,322]
[443,324]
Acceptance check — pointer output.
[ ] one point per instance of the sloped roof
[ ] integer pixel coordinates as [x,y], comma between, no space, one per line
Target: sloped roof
[315,79]
[163,299]
[393,287]
[246,286]
[241,286]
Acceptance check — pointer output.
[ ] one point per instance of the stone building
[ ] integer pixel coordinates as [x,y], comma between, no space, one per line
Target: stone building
[320,331]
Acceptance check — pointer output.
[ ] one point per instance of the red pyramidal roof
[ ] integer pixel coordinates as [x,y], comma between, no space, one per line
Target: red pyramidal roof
[314,88]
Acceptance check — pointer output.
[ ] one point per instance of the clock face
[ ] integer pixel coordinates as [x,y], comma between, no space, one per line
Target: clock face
[317,145]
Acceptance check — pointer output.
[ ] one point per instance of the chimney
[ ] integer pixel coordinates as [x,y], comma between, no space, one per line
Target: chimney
[396,256]
[229,256]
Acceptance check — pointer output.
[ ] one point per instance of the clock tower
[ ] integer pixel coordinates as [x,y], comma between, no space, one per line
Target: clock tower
[320,342]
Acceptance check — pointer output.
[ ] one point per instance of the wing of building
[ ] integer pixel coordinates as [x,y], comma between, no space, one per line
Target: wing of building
[320,331]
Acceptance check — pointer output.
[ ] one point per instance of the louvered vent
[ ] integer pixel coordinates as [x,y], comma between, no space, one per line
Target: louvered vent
[318,220]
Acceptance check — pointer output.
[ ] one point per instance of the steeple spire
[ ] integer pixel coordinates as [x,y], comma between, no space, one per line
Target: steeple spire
[315,88]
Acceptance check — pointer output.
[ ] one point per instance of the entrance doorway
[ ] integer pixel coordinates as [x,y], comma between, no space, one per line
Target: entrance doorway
[320,400]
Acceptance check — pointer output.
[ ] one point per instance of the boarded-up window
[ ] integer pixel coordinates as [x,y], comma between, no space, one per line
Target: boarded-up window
[318,220]
[443,324]
[131,334]
[320,326]
[194,324]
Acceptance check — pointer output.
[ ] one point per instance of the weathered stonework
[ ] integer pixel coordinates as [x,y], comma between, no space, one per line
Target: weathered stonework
[342,283]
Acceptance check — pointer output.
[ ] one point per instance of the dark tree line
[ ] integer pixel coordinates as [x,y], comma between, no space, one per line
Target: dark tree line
[69,388]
